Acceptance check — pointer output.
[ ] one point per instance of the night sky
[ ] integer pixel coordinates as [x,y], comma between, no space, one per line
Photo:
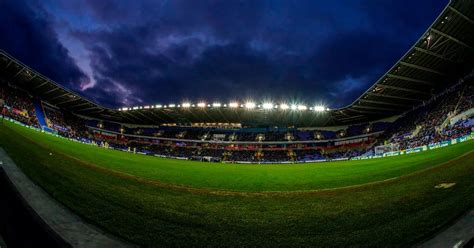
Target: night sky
[125,53]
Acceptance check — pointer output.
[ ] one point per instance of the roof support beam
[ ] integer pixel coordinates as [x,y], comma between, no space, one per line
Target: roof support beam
[402,89]
[384,103]
[62,95]
[127,113]
[69,101]
[146,117]
[451,38]
[79,105]
[18,73]
[434,54]
[94,107]
[51,91]
[421,68]
[409,79]
[376,108]
[369,112]
[351,118]
[9,63]
[157,116]
[461,14]
[396,97]
[38,86]
[33,77]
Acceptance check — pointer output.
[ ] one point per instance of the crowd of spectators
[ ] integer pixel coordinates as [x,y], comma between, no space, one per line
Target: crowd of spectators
[17,105]
[66,124]
[424,125]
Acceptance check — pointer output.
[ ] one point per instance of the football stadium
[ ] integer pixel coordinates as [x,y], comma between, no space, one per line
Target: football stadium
[393,168]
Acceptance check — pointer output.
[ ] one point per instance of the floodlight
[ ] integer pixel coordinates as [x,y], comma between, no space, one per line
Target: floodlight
[234,105]
[284,106]
[294,106]
[172,105]
[302,107]
[216,105]
[158,106]
[319,108]
[135,108]
[186,105]
[202,104]
[267,106]
[250,105]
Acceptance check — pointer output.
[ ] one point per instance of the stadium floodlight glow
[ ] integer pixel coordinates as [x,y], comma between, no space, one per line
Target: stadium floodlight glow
[201,104]
[172,105]
[186,105]
[158,106]
[294,106]
[135,108]
[146,107]
[250,105]
[302,107]
[267,105]
[319,108]
[216,105]
[284,106]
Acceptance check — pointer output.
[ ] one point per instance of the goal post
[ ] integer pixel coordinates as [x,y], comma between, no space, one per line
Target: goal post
[382,149]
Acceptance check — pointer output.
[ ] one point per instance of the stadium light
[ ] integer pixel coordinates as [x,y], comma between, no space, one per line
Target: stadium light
[186,105]
[172,105]
[216,105]
[267,105]
[202,104]
[284,106]
[250,105]
[294,106]
[234,105]
[158,106]
[319,108]
[302,107]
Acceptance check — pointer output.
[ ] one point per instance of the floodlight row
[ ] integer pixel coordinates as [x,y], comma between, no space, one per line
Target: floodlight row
[247,105]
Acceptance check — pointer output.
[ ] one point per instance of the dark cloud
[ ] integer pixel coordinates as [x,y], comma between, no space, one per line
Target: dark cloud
[28,34]
[142,52]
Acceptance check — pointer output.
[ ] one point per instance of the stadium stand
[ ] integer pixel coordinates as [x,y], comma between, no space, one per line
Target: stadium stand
[425,124]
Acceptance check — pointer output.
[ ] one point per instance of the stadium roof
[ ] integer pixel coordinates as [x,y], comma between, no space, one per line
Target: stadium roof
[441,56]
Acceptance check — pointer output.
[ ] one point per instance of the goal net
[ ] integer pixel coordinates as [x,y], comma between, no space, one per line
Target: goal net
[392,147]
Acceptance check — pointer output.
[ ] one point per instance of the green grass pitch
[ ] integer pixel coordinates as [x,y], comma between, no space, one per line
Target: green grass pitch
[154,201]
